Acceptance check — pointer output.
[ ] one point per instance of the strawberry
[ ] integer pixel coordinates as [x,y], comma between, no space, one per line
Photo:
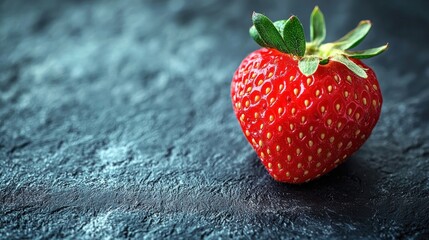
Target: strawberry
[305,107]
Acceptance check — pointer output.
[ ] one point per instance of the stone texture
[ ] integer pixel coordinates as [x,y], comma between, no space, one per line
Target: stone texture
[116,123]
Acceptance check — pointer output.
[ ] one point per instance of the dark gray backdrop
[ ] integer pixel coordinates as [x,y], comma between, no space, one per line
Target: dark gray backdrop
[116,122]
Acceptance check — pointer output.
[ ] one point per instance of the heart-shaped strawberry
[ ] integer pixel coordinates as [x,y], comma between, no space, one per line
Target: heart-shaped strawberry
[305,107]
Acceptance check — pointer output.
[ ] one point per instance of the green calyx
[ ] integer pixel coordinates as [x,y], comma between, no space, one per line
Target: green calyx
[288,36]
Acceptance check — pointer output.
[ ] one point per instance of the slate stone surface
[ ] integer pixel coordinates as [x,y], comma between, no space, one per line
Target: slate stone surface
[116,123]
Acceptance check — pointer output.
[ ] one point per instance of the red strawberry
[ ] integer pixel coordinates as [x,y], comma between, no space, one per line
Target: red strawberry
[305,107]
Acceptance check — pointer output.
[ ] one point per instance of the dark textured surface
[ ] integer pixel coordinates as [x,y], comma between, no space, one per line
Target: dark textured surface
[116,123]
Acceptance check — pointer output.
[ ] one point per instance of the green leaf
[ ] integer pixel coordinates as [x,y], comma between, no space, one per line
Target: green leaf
[255,35]
[350,65]
[354,37]
[294,37]
[280,25]
[317,26]
[308,65]
[268,32]
[368,53]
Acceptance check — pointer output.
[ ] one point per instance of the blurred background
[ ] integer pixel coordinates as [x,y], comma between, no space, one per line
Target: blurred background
[115,121]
